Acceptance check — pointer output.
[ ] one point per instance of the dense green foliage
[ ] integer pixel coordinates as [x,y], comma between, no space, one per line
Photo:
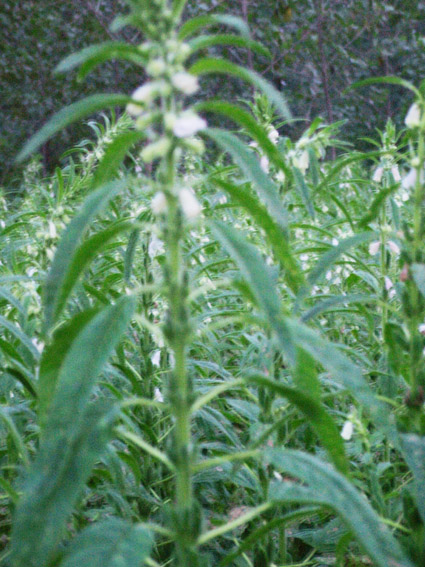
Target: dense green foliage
[213,361]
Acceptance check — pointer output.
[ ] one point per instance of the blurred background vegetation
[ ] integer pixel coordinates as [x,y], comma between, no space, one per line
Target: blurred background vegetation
[319,48]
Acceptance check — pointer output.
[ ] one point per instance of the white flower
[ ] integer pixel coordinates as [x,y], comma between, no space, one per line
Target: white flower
[377,176]
[144,95]
[189,203]
[156,150]
[280,176]
[156,246]
[52,230]
[39,345]
[393,247]
[264,163]
[185,82]
[187,124]
[396,173]
[374,247]
[156,358]
[159,203]
[273,135]
[302,161]
[409,180]
[389,287]
[157,396]
[421,329]
[413,116]
[347,430]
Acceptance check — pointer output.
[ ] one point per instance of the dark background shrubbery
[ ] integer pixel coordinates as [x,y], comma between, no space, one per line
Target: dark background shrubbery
[319,48]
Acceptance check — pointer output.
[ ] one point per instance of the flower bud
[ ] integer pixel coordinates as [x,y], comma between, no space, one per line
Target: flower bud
[156,67]
[155,150]
[196,145]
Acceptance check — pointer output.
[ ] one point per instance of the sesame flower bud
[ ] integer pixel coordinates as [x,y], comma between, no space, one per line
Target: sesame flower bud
[273,135]
[196,145]
[156,67]
[374,247]
[377,176]
[413,116]
[169,120]
[155,150]
[185,82]
[159,203]
[302,161]
[187,124]
[264,163]
[189,203]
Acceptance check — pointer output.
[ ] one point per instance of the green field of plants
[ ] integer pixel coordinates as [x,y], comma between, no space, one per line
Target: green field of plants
[212,335]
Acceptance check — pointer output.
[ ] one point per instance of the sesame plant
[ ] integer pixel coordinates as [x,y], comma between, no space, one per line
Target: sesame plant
[215,360]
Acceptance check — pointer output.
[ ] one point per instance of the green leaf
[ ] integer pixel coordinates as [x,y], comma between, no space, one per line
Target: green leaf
[62,270]
[418,273]
[114,155]
[330,302]
[54,483]
[303,191]
[376,205]
[248,162]
[75,436]
[257,276]
[94,55]
[192,26]
[276,236]
[386,80]
[204,41]
[413,449]
[23,339]
[330,257]
[329,488]
[321,422]
[221,66]
[344,372]
[110,543]
[81,258]
[67,116]
[250,125]
[53,357]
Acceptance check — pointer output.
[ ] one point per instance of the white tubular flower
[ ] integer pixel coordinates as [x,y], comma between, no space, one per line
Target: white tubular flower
[185,83]
[264,163]
[347,430]
[159,203]
[280,176]
[302,161]
[377,176]
[396,173]
[52,230]
[393,247]
[413,116]
[156,358]
[273,136]
[409,180]
[156,246]
[374,247]
[421,329]
[189,203]
[157,396]
[188,124]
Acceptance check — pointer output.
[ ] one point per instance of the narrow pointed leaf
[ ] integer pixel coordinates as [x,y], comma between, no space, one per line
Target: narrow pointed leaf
[204,41]
[328,487]
[110,543]
[67,116]
[303,191]
[222,66]
[321,422]
[89,57]
[413,449]
[249,164]
[62,262]
[257,276]
[193,25]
